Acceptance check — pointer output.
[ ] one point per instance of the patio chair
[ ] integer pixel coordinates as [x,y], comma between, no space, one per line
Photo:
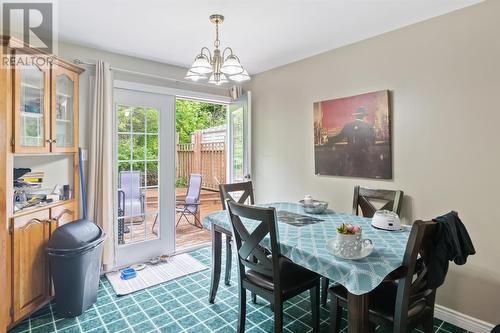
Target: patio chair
[191,204]
[131,197]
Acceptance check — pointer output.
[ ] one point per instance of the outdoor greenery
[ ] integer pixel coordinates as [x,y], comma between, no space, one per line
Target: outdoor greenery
[138,140]
[192,115]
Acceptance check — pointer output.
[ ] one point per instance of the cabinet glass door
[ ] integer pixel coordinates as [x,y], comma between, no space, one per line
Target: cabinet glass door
[64,110]
[32,120]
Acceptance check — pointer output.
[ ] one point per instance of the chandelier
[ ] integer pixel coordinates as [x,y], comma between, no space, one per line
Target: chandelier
[219,67]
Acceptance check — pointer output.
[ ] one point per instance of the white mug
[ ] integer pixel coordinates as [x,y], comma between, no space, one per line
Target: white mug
[350,245]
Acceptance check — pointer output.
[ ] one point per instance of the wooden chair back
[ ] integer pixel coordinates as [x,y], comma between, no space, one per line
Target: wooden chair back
[412,287]
[363,198]
[251,254]
[227,192]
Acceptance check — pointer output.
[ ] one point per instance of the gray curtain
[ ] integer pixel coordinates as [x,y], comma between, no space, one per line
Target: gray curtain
[100,160]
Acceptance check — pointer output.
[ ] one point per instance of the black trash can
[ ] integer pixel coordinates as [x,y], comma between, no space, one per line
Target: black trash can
[75,251]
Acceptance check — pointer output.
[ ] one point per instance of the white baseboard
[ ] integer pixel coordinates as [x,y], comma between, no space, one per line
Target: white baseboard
[462,320]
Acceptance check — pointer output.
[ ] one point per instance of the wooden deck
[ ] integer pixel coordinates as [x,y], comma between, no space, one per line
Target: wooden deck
[187,235]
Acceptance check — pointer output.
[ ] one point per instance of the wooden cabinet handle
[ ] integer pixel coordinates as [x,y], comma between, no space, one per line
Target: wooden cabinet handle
[65,211]
[30,223]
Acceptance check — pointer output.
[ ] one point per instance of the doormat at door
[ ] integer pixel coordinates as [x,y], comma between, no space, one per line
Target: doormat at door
[177,266]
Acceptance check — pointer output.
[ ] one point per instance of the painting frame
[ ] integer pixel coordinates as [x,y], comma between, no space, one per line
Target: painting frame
[353,136]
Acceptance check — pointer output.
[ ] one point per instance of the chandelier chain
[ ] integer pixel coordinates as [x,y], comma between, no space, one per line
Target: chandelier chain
[217,41]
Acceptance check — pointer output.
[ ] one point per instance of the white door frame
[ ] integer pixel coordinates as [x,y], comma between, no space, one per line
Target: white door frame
[120,85]
[245,99]
[127,254]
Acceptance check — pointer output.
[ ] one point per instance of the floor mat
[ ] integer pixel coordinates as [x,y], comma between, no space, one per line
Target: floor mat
[177,266]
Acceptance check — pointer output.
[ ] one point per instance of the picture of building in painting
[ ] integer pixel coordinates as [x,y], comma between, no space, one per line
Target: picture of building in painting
[352,136]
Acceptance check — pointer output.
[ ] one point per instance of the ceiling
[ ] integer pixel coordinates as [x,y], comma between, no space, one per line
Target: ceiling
[264,34]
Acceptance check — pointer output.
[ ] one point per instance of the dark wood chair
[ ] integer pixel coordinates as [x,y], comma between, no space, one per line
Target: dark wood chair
[364,198]
[271,276]
[229,191]
[403,300]
[363,203]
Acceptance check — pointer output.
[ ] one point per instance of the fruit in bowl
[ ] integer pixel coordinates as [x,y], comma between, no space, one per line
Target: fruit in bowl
[349,229]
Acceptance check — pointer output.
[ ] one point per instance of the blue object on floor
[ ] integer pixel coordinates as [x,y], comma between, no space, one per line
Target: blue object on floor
[128,273]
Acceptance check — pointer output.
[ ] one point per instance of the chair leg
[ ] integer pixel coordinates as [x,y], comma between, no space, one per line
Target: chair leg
[229,256]
[179,220]
[154,224]
[314,294]
[429,324]
[278,316]
[254,298]
[197,222]
[324,290]
[335,315]
[242,310]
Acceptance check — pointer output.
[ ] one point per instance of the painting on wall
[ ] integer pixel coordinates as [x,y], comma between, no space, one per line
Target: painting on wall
[352,136]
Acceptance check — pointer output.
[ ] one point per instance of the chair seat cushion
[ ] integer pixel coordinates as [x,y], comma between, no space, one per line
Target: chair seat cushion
[383,301]
[293,277]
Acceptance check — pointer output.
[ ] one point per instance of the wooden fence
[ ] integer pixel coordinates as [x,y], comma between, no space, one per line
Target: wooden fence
[207,159]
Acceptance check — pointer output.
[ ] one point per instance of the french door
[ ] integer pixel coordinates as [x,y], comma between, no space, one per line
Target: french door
[144,175]
[239,139]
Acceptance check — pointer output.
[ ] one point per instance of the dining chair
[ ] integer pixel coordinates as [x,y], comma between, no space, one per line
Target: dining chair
[364,197]
[403,301]
[272,276]
[241,193]
[363,203]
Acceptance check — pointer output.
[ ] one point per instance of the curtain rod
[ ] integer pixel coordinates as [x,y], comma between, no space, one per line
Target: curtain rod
[123,70]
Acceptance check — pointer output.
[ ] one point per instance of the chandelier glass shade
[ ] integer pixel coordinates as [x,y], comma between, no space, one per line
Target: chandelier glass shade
[218,67]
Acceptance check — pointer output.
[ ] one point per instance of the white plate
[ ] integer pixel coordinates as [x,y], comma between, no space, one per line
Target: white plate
[365,251]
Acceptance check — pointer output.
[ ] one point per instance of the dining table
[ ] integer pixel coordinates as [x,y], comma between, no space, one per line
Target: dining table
[306,244]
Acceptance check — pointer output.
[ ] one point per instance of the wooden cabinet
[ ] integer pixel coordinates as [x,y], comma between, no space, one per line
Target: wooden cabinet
[38,116]
[64,111]
[45,109]
[30,270]
[31,110]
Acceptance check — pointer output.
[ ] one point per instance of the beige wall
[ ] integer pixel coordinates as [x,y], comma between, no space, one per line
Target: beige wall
[444,75]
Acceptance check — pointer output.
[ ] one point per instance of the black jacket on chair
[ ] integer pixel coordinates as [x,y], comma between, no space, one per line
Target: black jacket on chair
[452,243]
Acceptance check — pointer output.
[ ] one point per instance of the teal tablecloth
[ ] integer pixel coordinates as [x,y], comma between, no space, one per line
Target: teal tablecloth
[307,246]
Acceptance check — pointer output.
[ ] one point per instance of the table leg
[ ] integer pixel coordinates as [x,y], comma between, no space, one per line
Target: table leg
[358,313]
[216,263]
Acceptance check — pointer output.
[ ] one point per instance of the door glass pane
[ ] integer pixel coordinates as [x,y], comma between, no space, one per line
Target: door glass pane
[32,104]
[138,160]
[64,111]
[237,144]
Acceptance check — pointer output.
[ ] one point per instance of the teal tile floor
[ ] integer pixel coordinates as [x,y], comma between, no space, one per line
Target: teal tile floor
[181,306]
